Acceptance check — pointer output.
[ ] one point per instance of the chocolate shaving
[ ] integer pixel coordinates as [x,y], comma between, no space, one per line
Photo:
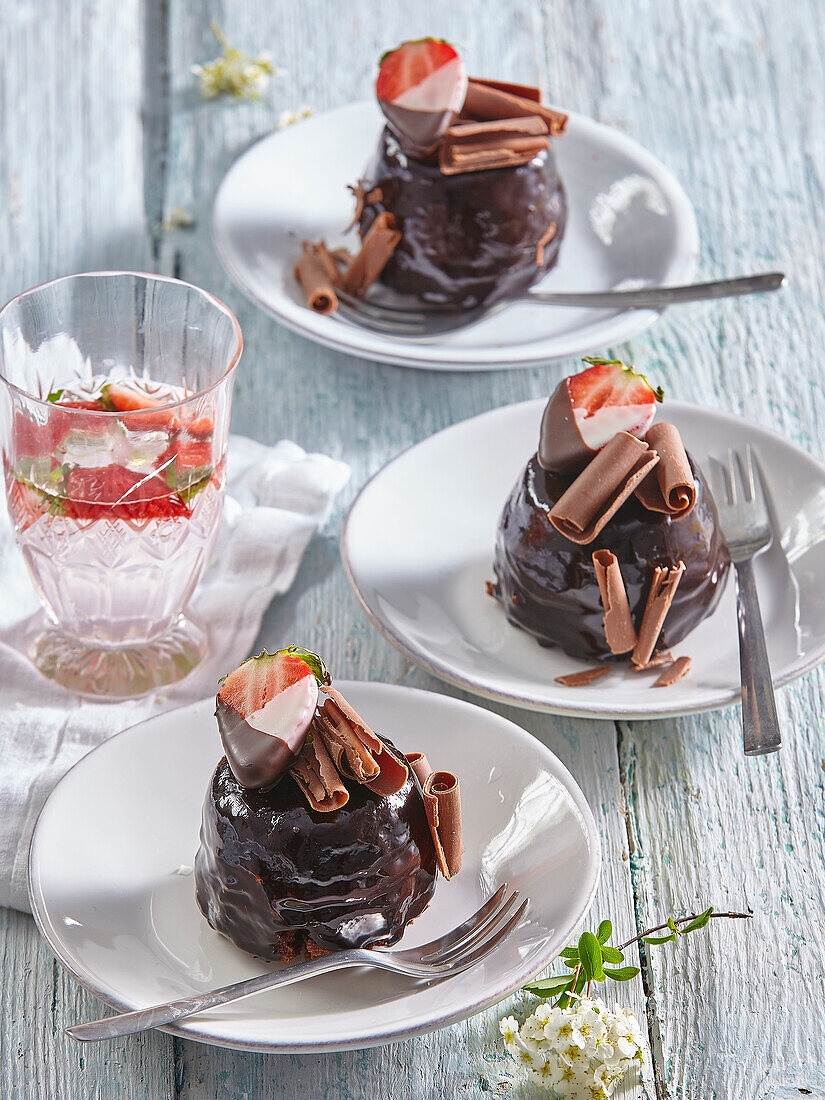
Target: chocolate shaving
[341,255]
[525,91]
[473,146]
[618,623]
[663,657]
[586,676]
[378,245]
[316,281]
[543,242]
[420,766]
[659,598]
[362,198]
[317,776]
[488,100]
[349,753]
[392,771]
[602,487]
[671,487]
[442,800]
[679,668]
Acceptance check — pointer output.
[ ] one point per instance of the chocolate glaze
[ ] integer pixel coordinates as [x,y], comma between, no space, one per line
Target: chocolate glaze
[268,864]
[468,238]
[547,584]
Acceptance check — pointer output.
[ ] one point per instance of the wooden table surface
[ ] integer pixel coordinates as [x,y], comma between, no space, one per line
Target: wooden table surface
[103,133]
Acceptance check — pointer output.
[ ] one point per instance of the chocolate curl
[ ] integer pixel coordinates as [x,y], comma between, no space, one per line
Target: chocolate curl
[657,660]
[602,488]
[362,198]
[543,242]
[525,91]
[488,100]
[378,245]
[679,668]
[581,679]
[349,753]
[392,772]
[316,279]
[442,800]
[317,776]
[671,488]
[618,624]
[420,765]
[474,146]
[659,598]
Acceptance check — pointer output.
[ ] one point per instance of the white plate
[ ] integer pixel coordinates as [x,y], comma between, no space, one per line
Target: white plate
[630,223]
[418,546]
[106,895]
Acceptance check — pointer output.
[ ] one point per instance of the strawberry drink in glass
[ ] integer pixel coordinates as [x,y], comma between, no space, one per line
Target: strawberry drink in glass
[116,398]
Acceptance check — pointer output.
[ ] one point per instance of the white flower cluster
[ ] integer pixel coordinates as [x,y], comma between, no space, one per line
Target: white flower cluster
[289,118]
[578,1053]
[234,74]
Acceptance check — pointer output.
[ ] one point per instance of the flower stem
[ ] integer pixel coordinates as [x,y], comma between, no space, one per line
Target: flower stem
[681,920]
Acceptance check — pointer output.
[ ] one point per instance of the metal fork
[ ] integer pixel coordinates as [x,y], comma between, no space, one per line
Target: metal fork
[422,324]
[743,514]
[451,953]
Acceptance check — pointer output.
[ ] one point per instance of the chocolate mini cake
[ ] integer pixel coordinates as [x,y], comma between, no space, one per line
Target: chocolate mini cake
[317,834]
[462,203]
[609,544]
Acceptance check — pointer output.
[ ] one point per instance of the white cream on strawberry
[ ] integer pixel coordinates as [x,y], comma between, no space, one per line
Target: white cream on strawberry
[599,428]
[442,89]
[288,714]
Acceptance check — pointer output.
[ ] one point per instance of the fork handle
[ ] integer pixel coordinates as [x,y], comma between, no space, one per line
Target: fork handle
[760,725]
[659,297]
[143,1019]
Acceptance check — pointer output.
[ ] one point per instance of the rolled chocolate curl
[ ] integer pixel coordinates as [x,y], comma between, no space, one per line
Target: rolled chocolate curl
[442,799]
[659,598]
[392,772]
[317,776]
[315,280]
[474,146]
[377,247]
[583,678]
[618,623]
[602,487]
[525,91]
[420,766]
[486,100]
[349,753]
[671,487]
[679,668]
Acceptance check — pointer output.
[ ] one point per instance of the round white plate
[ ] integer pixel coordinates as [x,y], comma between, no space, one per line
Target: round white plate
[418,546]
[108,894]
[630,224]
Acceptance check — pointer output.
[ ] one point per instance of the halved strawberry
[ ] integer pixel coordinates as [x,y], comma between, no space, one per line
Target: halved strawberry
[119,397]
[264,711]
[588,409]
[421,87]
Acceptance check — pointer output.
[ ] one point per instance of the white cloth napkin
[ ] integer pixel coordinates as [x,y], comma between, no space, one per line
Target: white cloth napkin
[277,497]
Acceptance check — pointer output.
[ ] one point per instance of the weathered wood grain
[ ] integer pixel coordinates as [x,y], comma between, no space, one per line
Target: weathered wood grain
[103,133]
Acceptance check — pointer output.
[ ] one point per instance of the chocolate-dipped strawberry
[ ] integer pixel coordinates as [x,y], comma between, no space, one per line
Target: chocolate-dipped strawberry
[316,831]
[588,409]
[264,710]
[420,88]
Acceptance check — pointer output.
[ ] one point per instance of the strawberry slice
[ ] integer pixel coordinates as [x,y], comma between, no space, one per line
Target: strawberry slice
[113,492]
[609,398]
[588,409]
[119,397]
[421,87]
[264,711]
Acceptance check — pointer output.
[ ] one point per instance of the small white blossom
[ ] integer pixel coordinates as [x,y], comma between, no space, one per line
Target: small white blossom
[289,118]
[233,73]
[578,1053]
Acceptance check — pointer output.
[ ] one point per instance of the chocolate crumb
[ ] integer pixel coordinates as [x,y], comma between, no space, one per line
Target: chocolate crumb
[543,241]
[674,672]
[491,588]
[586,676]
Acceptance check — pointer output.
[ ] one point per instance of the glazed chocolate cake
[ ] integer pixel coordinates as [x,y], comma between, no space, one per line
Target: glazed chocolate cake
[461,204]
[317,833]
[609,544]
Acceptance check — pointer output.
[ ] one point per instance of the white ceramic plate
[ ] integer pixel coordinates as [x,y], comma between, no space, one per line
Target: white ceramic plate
[418,546]
[630,224]
[117,828]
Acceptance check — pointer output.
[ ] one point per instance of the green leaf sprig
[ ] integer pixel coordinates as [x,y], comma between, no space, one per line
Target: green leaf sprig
[588,957]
